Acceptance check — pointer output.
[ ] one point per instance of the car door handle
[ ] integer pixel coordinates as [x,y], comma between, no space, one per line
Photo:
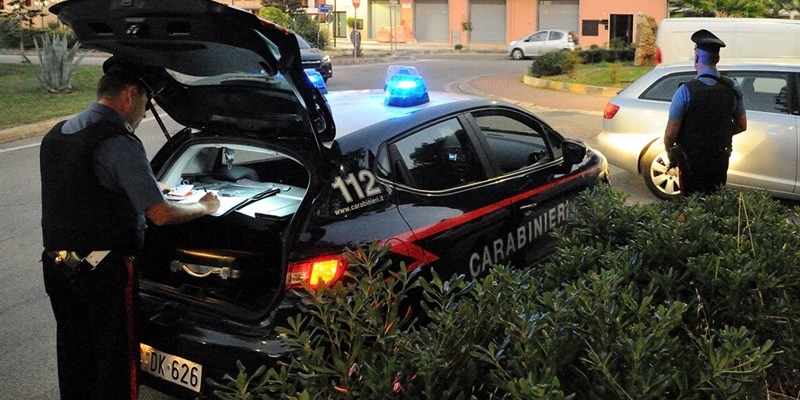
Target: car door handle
[528,206]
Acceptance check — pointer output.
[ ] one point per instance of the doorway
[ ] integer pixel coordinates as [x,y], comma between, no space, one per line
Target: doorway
[621,30]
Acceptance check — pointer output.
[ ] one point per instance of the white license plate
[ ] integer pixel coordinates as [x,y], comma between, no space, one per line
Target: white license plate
[177,370]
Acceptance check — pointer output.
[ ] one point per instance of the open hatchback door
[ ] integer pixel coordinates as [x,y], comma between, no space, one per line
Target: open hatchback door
[200,57]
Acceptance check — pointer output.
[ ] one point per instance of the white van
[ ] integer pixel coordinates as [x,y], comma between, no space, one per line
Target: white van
[743,37]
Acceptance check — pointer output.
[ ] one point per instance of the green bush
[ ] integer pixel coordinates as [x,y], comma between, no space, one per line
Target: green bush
[10,32]
[679,300]
[310,30]
[731,258]
[555,63]
[302,24]
[597,54]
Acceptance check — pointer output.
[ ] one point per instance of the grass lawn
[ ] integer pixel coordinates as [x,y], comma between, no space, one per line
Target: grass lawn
[604,74]
[24,102]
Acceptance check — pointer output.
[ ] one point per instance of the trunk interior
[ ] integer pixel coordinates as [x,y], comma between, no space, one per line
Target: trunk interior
[230,261]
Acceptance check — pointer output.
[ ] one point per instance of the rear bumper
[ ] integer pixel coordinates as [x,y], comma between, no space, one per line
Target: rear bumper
[216,344]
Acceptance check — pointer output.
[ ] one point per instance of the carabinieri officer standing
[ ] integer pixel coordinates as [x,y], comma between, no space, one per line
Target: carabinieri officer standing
[97,188]
[704,115]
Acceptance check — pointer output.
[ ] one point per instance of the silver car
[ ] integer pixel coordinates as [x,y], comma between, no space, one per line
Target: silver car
[765,156]
[541,42]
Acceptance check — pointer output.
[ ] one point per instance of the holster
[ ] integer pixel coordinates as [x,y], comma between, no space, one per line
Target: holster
[72,263]
[678,158]
[67,263]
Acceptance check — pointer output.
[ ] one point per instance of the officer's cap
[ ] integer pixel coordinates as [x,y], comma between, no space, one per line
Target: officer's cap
[707,41]
[138,75]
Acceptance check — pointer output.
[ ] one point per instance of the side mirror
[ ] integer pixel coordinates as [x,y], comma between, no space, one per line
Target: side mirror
[574,152]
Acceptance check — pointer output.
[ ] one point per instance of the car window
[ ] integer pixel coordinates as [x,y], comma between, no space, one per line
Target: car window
[556,35]
[512,142]
[439,157]
[764,91]
[302,43]
[664,88]
[539,36]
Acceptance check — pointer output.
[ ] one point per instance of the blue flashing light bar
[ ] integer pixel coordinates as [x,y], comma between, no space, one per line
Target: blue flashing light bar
[404,87]
[316,79]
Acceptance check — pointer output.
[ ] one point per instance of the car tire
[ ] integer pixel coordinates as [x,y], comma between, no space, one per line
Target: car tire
[517,54]
[663,183]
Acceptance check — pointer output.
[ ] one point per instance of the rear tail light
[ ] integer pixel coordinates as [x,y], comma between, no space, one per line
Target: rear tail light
[323,270]
[657,57]
[610,111]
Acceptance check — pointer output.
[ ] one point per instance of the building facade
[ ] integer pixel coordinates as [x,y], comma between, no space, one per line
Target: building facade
[473,22]
[491,22]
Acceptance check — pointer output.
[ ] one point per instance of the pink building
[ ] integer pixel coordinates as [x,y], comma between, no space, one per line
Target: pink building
[492,22]
[474,22]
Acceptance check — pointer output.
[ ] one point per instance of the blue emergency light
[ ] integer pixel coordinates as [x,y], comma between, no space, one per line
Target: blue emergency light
[316,79]
[404,87]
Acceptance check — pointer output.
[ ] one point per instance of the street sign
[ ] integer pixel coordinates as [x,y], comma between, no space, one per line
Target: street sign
[356,3]
[325,8]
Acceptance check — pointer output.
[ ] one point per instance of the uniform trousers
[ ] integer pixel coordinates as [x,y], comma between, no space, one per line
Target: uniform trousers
[97,353]
[706,172]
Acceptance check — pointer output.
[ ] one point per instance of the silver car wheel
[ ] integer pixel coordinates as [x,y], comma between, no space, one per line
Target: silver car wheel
[517,54]
[663,183]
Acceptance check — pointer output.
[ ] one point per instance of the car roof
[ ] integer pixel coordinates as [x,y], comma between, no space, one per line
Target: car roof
[739,63]
[357,109]
[210,51]
[661,70]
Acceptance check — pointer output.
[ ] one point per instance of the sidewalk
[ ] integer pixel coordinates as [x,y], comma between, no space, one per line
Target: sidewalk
[507,87]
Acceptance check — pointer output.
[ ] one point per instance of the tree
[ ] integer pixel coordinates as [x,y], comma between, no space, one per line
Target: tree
[289,6]
[276,15]
[23,16]
[720,8]
[775,8]
[300,22]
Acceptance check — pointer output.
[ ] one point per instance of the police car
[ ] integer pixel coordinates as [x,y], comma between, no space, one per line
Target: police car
[450,182]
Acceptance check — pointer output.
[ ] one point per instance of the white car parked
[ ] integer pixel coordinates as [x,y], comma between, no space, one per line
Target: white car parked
[765,156]
[542,42]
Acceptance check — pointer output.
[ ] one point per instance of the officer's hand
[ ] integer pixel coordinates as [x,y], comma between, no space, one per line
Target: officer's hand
[164,187]
[210,201]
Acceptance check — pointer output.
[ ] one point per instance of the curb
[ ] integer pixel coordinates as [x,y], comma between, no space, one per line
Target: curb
[571,87]
[30,130]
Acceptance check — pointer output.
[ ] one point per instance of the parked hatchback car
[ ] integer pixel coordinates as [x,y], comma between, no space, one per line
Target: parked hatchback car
[542,42]
[315,58]
[765,156]
[451,182]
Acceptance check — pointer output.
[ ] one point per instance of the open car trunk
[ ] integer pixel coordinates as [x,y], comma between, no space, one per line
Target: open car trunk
[231,262]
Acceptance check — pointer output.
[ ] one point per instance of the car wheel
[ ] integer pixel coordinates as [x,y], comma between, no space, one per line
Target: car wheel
[663,183]
[517,54]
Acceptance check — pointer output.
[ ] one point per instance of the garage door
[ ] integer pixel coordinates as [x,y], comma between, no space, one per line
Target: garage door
[558,14]
[488,20]
[431,20]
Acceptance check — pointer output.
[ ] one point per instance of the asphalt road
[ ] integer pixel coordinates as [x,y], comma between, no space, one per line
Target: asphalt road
[27,328]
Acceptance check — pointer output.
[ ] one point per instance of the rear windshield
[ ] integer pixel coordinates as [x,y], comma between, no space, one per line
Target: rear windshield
[665,87]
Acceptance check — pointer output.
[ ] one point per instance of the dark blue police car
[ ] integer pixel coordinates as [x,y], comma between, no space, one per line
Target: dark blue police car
[451,182]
